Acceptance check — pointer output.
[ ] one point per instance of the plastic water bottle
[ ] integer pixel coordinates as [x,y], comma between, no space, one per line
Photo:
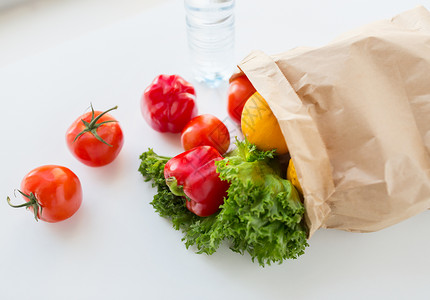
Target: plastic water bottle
[210,31]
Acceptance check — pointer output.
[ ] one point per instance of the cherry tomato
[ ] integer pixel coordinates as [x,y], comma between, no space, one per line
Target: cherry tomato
[239,91]
[53,193]
[95,138]
[206,130]
[168,103]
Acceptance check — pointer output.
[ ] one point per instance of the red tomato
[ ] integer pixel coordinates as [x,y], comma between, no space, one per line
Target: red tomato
[239,91]
[206,130]
[53,193]
[95,138]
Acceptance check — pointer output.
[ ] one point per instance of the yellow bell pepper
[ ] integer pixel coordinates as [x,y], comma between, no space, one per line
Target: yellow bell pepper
[292,176]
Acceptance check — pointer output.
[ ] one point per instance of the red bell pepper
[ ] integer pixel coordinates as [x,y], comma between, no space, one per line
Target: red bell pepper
[168,103]
[193,175]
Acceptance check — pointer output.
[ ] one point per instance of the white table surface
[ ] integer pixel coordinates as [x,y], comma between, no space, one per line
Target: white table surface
[116,246]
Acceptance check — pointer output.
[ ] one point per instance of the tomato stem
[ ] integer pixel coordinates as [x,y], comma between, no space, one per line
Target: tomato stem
[37,208]
[92,126]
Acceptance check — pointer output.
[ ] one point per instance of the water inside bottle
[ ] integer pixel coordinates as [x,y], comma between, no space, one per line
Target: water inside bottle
[210,30]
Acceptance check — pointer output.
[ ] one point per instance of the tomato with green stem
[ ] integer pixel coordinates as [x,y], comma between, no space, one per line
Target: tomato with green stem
[95,138]
[53,193]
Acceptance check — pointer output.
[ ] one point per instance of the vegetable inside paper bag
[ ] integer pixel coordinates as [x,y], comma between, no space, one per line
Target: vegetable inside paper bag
[356,117]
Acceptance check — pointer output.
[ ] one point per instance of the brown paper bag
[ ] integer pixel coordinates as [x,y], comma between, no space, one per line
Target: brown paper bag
[356,117]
